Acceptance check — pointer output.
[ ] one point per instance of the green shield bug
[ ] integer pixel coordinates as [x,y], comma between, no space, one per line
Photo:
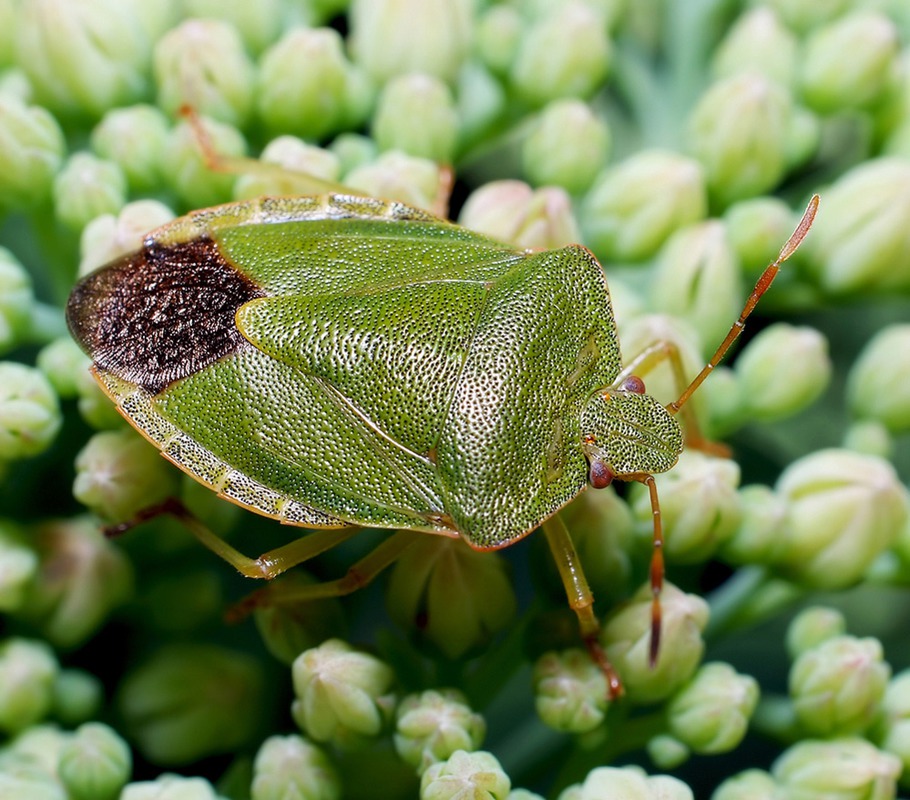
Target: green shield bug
[339,361]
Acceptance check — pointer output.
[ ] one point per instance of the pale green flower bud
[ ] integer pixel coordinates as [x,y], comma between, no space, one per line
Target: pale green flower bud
[802,16]
[813,626]
[844,509]
[31,151]
[18,566]
[186,170]
[465,775]
[762,514]
[16,301]
[782,371]
[307,86]
[84,57]
[636,204]
[78,697]
[416,114]
[666,752]
[258,23]
[627,783]
[564,53]
[738,131]
[751,784]
[170,787]
[28,670]
[14,82]
[699,506]
[390,37]
[758,42]
[570,691]
[291,767]
[862,241]
[398,176]
[134,139]
[95,763]
[481,103]
[836,687]
[567,146]
[711,713]
[831,82]
[431,726]
[9,13]
[118,473]
[62,361]
[109,237]
[342,694]
[523,794]
[27,781]
[202,63]
[499,30]
[353,150]
[870,438]
[38,747]
[297,159]
[848,769]
[514,212]
[83,577]
[756,228]
[461,596]
[29,412]
[878,385]
[190,701]
[892,728]
[627,639]
[95,406]
[698,278]
[88,187]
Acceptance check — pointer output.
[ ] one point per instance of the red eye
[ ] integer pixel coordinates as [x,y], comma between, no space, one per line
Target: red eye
[599,474]
[633,384]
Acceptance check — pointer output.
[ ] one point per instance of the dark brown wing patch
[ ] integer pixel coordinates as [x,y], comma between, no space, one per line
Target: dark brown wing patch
[160,314]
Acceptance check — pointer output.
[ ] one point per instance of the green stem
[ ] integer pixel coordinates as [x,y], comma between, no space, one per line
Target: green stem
[751,595]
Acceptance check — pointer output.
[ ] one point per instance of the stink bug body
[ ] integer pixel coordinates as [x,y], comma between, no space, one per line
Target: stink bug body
[334,361]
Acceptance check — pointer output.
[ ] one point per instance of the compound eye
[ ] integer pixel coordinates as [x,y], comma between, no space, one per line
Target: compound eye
[633,384]
[600,476]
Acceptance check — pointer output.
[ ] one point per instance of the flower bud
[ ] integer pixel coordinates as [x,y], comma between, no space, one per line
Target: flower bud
[481,104]
[84,57]
[416,114]
[61,362]
[118,473]
[758,42]
[28,669]
[259,24]
[465,775]
[308,88]
[398,176]
[353,150]
[499,30]
[813,626]
[78,697]
[636,204]
[342,694]
[627,783]
[627,639]
[29,412]
[844,509]
[38,748]
[848,768]
[189,701]
[755,541]
[698,278]
[18,566]
[186,170]
[431,726]
[16,301]
[837,686]
[170,787]
[298,162]
[829,81]
[87,187]
[570,691]
[755,229]
[666,752]
[782,371]
[109,237]
[522,794]
[514,212]
[26,780]
[134,139]
[699,506]
[801,16]
[751,784]
[567,146]
[564,53]
[95,763]
[892,728]
[878,385]
[870,438]
[711,713]
[290,766]
[31,151]
[722,135]
[95,406]
[862,241]
[457,597]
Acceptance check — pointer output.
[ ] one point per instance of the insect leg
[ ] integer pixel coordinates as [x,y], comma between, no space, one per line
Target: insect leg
[580,598]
